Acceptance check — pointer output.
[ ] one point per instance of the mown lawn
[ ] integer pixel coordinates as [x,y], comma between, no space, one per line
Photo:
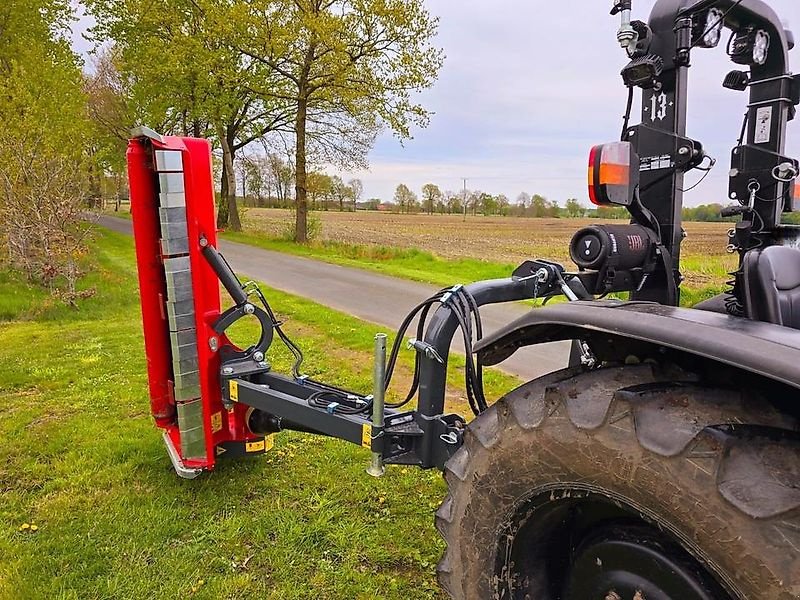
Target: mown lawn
[81,460]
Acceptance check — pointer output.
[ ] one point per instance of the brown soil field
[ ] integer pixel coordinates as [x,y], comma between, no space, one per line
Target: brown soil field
[495,239]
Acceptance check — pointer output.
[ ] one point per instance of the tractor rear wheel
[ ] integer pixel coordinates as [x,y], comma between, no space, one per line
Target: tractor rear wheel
[624,483]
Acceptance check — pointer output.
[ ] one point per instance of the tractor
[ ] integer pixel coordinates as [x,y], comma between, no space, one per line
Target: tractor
[663,462]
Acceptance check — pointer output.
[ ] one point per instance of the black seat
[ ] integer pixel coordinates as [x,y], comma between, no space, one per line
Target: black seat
[772,285]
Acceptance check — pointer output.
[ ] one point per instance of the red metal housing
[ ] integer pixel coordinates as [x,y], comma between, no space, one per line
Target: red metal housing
[200,421]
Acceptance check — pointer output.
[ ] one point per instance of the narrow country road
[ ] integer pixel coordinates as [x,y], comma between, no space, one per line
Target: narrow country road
[367,295]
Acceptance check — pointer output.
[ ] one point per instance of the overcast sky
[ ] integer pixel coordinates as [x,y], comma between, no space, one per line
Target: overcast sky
[528,86]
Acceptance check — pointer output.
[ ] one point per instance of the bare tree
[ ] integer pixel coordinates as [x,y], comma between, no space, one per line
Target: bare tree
[356,190]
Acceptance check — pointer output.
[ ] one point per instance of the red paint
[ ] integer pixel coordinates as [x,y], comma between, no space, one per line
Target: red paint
[594,156]
[201,222]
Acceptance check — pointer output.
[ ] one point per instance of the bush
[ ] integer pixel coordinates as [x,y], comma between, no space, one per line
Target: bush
[313,231]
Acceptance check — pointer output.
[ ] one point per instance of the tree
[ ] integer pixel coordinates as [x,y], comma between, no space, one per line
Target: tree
[453,203]
[339,191]
[280,176]
[502,204]
[431,195]
[356,188]
[346,69]
[488,204]
[523,201]
[255,177]
[319,187]
[111,116]
[45,144]
[573,208]
[405,198]
[189,79]
[541,207]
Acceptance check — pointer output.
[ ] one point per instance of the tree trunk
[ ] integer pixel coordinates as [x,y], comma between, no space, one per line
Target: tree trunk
[301,187]
[228,199]
[222,205]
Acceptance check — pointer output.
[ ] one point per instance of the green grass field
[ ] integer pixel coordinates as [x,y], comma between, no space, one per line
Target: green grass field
[81,461]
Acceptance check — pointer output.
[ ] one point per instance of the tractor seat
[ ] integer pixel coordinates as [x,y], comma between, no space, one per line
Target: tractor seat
[772,285]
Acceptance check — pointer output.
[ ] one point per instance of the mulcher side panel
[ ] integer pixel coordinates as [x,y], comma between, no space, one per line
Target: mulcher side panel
[172,206]
[152,290]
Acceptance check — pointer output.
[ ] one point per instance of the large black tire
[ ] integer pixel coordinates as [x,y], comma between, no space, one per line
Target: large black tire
[712,473]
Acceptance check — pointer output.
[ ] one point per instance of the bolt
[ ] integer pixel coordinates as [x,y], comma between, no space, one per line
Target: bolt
[203,242]
[213,343]
[249,309]
[227,371]
[683,151]
[258,356]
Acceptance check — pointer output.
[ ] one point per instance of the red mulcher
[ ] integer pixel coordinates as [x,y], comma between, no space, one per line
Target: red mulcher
[172,206]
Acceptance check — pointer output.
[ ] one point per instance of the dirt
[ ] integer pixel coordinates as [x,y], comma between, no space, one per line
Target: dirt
[494,239]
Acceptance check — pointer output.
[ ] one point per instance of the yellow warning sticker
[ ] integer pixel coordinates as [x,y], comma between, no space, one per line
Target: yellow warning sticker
[366,435]
[220,450]
[216,422]
[256,446]
[269,442]
[233,390]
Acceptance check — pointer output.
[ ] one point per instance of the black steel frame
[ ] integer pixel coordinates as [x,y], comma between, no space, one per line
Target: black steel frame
[662,132]
[425,437]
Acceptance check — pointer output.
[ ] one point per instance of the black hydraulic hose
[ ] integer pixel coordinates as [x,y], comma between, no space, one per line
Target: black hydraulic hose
[423,316]
[398,342]
[626,120]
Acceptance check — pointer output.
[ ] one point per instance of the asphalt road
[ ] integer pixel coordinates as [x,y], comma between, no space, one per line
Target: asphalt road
[370,296]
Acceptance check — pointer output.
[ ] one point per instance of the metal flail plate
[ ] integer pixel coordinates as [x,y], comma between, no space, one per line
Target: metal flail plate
[184,352]
[187,380]
[184,364]
[169,160]
[187,337]
[173,246]
[178,274]
[170,183]
[187,385]
[176,265]
[174,234]
[180,314]
[179,287]
[172,200]
[173,222]
[190,424]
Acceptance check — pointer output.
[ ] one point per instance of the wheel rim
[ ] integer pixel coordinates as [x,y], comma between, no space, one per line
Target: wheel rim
[571,542]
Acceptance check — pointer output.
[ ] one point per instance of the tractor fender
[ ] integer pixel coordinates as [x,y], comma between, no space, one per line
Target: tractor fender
[764,349]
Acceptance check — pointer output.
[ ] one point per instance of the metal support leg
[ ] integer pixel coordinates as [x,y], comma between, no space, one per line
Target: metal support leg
[376,468]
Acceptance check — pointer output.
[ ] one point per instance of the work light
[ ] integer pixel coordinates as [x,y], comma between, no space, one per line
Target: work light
[708,31]
[643,72]
[750,46]
[760,47]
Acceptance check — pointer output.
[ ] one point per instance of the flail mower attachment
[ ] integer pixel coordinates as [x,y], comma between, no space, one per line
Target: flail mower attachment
[172,206]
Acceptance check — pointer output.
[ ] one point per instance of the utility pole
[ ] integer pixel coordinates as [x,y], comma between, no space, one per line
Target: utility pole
[465,197]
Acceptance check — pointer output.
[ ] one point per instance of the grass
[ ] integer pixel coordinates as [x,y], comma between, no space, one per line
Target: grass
[82,461]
